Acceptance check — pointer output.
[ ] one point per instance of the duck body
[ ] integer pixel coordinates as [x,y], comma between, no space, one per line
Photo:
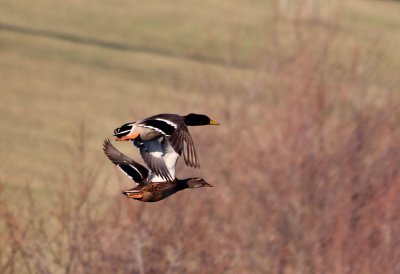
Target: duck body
[149,186]
[156,191]
[164,133]
[165,124]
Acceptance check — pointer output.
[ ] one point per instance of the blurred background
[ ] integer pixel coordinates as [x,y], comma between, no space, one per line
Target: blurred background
[305,164]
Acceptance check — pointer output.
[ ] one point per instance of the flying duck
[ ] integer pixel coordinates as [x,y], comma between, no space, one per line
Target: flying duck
[148,188]
[164,132]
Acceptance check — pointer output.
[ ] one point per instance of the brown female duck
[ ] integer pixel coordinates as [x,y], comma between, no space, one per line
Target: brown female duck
[156,191]
[148,188]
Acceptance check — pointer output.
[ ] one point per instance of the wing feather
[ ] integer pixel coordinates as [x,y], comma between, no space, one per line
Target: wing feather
[132,169]
[152,154]
[183,143]
[172,127]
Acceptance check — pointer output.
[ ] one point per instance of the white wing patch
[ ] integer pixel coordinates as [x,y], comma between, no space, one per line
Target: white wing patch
[154,178]
[137,170]
[125,131]
[168,122]
[163,126]
[154,128]
[127,174]
[170,157]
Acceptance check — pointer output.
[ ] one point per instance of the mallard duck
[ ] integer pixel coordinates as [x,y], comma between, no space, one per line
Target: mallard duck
[163,133]
[148,188]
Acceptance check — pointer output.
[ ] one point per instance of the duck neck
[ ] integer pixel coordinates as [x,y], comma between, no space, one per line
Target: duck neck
[188,121]
[182,184]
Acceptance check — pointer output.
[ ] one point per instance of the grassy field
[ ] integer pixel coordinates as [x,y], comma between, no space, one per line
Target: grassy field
[53,80]
[52,84]
[307,154]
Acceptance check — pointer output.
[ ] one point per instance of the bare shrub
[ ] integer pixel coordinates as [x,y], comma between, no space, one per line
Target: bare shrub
[305,168]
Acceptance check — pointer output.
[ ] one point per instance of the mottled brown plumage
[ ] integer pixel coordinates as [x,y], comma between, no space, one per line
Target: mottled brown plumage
[156,191]
[146,189]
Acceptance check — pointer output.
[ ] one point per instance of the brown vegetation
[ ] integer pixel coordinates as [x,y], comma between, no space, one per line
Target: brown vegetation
[306,169]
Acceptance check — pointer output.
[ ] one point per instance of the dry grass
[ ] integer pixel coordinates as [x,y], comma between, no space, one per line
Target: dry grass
[309,107]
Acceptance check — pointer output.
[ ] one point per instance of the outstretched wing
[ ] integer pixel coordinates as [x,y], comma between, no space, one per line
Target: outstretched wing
[153,155]
[182,142]
[133,170]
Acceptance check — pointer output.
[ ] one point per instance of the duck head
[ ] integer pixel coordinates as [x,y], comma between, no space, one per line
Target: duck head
[194,119]
[196,183]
